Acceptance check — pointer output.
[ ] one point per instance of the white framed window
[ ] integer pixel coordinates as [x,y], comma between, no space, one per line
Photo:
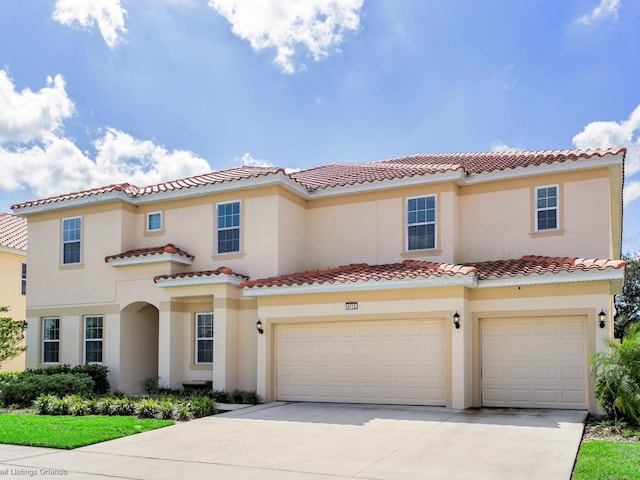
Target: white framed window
[50,340]
[154,221]
[93,338]
[547,201]
[23,278]
[421,223]
[228,227]
[71,240]
[204,338]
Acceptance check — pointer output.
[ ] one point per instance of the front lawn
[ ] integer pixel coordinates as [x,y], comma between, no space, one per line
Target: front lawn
[70,432]
[607,460]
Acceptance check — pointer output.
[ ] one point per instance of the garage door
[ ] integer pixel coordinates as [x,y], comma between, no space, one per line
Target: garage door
[389,362]
[534,362]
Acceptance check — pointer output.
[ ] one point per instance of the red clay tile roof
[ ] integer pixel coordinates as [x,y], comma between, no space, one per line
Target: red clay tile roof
[531,264]
[13,232]
[363,272]
[206,273]
[133,191]
[145,252]
[341,174]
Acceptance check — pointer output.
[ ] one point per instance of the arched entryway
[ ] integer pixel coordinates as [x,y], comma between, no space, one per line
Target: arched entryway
[139,322]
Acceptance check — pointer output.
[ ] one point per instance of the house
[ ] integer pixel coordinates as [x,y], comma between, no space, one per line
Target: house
[13,276]
[460,280]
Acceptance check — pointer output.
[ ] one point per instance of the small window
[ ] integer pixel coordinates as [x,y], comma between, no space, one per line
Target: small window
[228,227]
[547,208]
[421,223]
[23,279]
[93,339]
[50,340]
[204,337]
[71,240]
[154,221]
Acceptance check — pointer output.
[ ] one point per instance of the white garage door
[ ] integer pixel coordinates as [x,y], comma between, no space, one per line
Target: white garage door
[389,362]
[534,362]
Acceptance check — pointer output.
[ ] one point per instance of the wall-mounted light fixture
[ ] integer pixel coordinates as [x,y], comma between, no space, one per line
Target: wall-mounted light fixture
[456,319]
[259,327]
[602,317]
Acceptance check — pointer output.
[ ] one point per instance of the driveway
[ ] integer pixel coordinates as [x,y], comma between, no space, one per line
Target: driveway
[315,441]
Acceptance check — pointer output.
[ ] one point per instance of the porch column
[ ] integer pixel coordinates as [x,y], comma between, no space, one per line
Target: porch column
[461,358]
[170,345]
[225,344]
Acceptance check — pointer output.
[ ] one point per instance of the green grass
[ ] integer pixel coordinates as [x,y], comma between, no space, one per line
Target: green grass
[70,432]
[606,460]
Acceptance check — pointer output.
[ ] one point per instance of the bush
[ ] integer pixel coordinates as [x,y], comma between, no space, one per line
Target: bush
[24,389]
[617,376]
[147,408]
[202,407]
[98,374]
[182,413]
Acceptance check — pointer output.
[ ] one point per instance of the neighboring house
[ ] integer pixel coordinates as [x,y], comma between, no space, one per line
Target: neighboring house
[235,277]
[13,276]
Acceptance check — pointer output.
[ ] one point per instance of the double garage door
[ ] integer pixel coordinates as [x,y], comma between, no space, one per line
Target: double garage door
[534,362]
[386,362]
[524,362]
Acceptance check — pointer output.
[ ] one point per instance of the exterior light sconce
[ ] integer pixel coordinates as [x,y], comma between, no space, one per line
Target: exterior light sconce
[456,319]
[602,317]
[259,327]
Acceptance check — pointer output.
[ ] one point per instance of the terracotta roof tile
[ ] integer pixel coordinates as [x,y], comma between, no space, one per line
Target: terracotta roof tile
[133,191]
[206,273]
[145,252]
[341,174]
[13,232]
[363,272]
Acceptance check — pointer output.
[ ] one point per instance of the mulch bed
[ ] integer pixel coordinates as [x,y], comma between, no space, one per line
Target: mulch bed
[595,428]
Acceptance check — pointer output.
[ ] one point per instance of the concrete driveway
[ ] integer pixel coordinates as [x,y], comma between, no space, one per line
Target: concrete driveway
[315,441]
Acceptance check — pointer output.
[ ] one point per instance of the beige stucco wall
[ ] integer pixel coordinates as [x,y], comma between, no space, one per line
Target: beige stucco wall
[10,296]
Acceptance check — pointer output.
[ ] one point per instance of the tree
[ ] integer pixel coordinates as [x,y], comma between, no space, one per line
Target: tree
[11,336]
[628,302]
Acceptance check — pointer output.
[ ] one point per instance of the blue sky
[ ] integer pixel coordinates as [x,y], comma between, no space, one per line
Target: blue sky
[94,92]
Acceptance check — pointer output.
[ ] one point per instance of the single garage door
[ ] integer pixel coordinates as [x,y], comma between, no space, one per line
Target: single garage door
[387,362]
[534,362]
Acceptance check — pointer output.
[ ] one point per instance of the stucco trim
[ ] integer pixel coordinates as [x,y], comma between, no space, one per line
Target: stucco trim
[220,279]
[148,259]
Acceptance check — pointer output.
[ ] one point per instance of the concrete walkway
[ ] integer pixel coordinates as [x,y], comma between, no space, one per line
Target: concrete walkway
[315,441]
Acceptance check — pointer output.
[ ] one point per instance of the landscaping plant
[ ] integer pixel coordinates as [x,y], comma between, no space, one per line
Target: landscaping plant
[617,375]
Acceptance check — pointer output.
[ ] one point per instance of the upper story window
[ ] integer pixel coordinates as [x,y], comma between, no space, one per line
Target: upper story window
[23,278]
[228,227]
[50,340]
[547,208]
[421,223]
[154,221]
[204,338]
[71,240]
[93,339]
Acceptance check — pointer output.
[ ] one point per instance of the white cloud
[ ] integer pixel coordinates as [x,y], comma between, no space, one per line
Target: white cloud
[615,134]
[248,161]
[108,14]
[631,192]
[286,25]
[606,8]
[28,115]
[34,154]
[500,146]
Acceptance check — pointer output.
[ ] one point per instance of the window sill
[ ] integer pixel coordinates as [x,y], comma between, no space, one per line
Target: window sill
[432,252]
[547,233]
[230,256]
[201,366]
[71,266]
[154,233]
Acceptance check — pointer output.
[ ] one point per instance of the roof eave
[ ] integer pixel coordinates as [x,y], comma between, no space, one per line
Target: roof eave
[149,259]
[64,204]
[194,281]
[550,278]
[372,285]
[12,250]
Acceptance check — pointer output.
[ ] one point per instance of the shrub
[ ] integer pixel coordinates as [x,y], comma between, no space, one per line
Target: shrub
[77,406]
[166,408]
[43,404]
[182,413]
[124,407]
[106,406]
[202,406]
[147,408]
[25,388]
[617,375]
[98,374]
